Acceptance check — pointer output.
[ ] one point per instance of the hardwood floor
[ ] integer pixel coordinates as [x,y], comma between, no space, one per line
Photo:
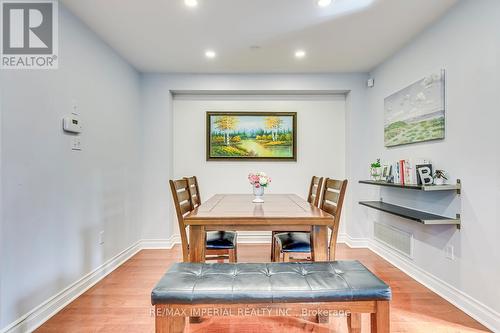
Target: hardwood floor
[121,301]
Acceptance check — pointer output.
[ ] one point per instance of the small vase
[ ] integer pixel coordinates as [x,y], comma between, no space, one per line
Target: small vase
[258,192]
[376,173]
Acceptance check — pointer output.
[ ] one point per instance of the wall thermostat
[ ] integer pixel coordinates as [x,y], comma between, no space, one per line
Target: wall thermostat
[72,124]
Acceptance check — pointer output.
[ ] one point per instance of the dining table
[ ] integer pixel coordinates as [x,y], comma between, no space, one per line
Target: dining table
[237,212]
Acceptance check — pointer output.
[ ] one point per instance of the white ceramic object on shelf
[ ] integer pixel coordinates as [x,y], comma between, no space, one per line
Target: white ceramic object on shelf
[439,181]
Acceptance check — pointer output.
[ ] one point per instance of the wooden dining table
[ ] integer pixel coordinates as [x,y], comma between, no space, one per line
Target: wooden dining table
[237,212]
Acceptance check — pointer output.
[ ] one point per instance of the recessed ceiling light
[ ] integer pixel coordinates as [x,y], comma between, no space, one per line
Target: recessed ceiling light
[210,54]
[300,54]
[191,3]
[324,3]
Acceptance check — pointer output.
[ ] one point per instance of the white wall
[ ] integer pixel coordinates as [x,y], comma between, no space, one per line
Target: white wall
[320,147]
[56,201]
[465,43]
[158,220]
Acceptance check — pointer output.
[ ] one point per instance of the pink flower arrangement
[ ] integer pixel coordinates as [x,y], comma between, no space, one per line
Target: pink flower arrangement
[259,179]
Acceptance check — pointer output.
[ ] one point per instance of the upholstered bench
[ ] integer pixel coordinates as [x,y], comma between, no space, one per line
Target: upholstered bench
[272,289]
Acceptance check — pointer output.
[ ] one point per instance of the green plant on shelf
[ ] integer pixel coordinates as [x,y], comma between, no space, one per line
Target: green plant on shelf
[376,170]
[376,164]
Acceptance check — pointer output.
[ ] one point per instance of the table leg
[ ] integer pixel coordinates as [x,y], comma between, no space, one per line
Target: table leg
[320,243]
[197,239]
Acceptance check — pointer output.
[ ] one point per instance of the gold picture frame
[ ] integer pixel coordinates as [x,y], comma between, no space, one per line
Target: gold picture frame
[251,136]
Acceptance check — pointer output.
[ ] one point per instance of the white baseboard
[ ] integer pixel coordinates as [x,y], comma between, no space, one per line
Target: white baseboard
[146,244]
[477,310]
[482,313]
[254,237]
[46,310]
[354,243]
[36,317]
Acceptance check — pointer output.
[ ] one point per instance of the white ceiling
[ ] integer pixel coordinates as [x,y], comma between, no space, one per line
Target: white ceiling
[347,36]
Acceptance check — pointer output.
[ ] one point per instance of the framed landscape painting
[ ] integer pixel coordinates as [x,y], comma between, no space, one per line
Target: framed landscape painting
[416,113]
[252,136]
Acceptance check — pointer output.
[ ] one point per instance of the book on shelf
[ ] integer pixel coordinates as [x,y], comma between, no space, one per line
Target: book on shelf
[405,172]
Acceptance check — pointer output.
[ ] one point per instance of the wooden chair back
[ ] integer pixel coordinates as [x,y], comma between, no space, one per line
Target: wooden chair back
[194,191]
[183,205]
[331,202]
[315,190]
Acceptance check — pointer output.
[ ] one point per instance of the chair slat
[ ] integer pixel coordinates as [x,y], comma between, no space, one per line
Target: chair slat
[315,190]
[183,196]
[185,207]
[334,184]
[194,190]
[329,208]
[196,200]
[332,196]
[180,183]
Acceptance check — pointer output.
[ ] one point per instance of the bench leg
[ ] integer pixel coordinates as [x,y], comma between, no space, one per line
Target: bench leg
[169,324]
[354,323]
[380,320]
[232,255]
[277,252]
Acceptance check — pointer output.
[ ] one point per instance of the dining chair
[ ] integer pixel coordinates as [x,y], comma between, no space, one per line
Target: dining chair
[219,244]
[313,198]
[290,243]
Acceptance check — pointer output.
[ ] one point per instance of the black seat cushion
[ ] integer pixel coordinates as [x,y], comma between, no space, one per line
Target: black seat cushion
[294,241]
[195,283]
[221,239]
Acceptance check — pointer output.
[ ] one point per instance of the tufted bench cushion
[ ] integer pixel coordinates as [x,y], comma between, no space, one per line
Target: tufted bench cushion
[337,281]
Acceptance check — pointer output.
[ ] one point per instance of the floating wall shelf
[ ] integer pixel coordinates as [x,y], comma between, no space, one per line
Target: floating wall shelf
[427,188]
[413,214]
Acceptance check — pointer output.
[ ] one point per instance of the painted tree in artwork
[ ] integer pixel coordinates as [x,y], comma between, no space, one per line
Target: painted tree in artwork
[226,124]
[273,124]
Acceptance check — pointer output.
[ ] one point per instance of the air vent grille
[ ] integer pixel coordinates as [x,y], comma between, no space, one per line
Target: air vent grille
[397,239]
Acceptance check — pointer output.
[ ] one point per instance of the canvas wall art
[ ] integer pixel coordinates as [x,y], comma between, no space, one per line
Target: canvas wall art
[251,136]
[416,113]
